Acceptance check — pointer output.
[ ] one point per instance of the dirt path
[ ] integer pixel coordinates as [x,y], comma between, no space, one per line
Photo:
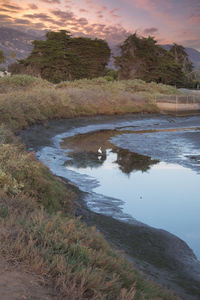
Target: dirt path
[17,284]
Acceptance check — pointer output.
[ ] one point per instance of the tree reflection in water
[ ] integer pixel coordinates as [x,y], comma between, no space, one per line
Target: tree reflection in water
[126,160]
[129,161]
[84,152]
[85,159]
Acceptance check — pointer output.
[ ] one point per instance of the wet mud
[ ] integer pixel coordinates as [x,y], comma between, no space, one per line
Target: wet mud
[162,256]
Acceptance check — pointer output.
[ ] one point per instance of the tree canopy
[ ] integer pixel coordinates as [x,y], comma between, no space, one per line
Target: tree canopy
[61,57]
[2,57]
[181,57]
[142,58]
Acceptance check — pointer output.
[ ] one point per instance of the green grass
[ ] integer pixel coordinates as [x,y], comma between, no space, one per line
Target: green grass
[38,227]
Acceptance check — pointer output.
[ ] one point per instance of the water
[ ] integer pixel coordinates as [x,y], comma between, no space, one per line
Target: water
[166,196]
[149,171]
[161,194]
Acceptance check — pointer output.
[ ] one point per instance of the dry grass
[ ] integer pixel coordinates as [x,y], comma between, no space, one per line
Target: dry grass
[68,255]
[25,100]
[37,224]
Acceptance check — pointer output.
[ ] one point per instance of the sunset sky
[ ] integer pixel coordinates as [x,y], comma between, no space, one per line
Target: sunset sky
[168,21]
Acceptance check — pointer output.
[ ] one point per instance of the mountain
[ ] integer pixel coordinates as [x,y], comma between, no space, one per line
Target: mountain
[12,40]
[194,55]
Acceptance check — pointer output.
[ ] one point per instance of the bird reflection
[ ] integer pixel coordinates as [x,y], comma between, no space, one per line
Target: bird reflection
[126,160]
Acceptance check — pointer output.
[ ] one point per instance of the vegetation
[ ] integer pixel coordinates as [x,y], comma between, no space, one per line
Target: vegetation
[142,58]
[181,57]
[110,74]
[194,79]
[26,100]
[2,57]
[61,57]
[38,227]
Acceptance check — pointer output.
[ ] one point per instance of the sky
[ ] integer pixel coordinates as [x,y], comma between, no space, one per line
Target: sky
[169,21]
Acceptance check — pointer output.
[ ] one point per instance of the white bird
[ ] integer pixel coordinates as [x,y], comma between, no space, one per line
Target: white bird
[100,151]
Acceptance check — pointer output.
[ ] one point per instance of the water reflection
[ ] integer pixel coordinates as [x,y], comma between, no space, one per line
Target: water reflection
[129,161]
[84,159]
[126,160]
[84,152]
[167,196]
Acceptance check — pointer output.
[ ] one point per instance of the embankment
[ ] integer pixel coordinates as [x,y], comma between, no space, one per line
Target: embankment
[38,226]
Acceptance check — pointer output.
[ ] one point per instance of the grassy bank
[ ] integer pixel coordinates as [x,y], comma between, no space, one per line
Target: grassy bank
[37,223]
[25,100]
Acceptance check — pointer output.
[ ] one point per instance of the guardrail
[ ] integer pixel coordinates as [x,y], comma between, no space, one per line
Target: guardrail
[179,103]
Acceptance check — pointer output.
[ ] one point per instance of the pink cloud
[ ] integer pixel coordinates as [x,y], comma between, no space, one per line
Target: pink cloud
[150,30]
[157,8]
[113,13]
[194,19]
[51,1]
[83,10]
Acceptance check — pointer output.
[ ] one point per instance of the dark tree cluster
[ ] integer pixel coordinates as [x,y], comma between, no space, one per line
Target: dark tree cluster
[61,57]
[142,58]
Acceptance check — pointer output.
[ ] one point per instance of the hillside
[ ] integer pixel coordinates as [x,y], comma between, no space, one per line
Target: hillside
[37,211]
[17,41]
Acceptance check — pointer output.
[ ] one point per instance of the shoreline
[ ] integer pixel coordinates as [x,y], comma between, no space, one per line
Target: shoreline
[169,275]
[176,268]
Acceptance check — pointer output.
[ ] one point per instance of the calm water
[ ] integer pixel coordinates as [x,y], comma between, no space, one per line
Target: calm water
[165,196]
[160,194]
[149,170]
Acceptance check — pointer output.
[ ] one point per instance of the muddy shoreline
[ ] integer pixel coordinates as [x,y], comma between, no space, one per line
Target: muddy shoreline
[161,256]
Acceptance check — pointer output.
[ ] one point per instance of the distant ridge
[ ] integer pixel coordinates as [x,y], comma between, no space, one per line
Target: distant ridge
[17,41]
[194,55]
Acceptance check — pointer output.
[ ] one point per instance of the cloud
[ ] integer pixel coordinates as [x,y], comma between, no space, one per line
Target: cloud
[4,17]
[12,7]
[194,19]
[45,18]
[104,8]
[82,21]
[113,13]
[33,6]
[83,10]
[158,9]
[150,30]
[22,21]
[63,15]
[4,10]
[114,34]
[51,1]
[40,16]
[6,20]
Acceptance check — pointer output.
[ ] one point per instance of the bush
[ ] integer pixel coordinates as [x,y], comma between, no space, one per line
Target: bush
[20,82]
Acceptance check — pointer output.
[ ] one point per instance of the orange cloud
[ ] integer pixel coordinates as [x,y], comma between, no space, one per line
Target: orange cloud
[33,6]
